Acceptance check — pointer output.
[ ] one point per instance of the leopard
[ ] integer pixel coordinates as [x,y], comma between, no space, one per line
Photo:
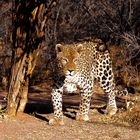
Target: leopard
[79,65]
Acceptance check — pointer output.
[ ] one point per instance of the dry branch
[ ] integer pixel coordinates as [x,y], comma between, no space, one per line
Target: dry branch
[29,32]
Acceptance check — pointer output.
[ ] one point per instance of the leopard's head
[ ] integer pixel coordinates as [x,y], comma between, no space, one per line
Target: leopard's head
[68,58]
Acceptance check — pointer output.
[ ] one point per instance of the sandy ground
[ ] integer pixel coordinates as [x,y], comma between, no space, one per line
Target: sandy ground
[33,125]
[26,127]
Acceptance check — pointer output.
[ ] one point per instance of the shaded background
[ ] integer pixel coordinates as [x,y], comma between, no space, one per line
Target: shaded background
[115,22]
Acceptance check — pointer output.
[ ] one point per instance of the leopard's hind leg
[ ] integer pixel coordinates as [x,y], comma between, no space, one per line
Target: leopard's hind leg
[105,77]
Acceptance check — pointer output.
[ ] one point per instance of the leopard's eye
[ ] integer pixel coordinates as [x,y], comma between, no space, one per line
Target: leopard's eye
[64,61]
[75,60]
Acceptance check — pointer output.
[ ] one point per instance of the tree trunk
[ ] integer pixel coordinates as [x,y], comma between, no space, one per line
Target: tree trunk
[29,23]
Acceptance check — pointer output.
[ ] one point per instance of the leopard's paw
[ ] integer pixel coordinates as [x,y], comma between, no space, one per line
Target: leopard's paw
[55,121]
[81,117]
[111,110]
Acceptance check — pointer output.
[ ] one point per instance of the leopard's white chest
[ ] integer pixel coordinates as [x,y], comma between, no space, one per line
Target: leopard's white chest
[71,84]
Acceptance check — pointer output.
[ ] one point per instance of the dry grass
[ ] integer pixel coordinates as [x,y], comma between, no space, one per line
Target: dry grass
[129,118]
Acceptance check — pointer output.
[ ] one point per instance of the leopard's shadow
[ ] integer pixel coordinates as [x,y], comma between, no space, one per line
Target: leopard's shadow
[40,106]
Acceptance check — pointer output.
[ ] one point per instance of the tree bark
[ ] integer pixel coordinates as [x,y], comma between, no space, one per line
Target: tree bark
[29,21]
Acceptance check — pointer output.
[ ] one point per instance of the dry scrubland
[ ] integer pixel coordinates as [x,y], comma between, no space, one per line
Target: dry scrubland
[33,125]
[71,21]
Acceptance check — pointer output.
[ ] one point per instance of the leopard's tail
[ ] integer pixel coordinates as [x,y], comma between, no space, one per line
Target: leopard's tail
[129,103]
[121,93]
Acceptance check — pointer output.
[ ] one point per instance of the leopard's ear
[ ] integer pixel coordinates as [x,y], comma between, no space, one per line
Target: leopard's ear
[58,48]
[79,48]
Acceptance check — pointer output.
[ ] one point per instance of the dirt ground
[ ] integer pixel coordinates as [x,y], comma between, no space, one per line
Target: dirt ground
[33,125]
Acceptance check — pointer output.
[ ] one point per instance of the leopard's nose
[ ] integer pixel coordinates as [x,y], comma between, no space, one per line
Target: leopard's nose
[70,72]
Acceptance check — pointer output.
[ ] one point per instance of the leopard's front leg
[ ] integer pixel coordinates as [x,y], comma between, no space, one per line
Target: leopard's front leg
[111,106]
[84,105]
[57,106]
